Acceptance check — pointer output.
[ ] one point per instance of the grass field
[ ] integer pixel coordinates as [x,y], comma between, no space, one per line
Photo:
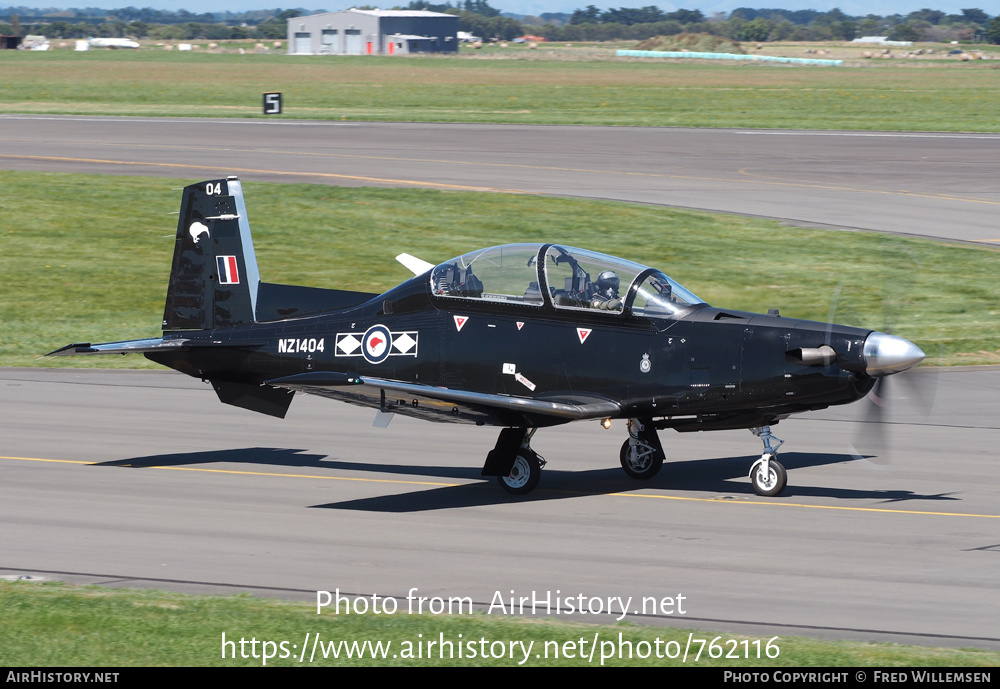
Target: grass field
[545,87]
[58,625]
[87,257]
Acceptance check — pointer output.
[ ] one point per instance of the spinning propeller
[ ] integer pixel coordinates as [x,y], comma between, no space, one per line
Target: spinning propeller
[885,355]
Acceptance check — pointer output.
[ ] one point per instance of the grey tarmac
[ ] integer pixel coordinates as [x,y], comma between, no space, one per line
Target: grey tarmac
[930,184]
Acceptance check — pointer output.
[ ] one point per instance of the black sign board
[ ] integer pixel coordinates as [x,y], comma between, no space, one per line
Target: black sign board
[272,103]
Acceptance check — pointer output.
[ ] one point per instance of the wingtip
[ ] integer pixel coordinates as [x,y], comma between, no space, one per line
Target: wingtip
[69,349]
[415,265]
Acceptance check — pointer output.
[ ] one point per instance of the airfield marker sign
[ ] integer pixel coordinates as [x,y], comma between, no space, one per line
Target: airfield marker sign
[272,103]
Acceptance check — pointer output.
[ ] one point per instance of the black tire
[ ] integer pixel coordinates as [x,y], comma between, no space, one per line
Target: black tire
[524,475]
[646,464]
[771,485]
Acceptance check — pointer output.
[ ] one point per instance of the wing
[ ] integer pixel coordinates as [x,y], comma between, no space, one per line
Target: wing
[450,405]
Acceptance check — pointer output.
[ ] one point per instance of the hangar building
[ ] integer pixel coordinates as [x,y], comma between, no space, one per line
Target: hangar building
[373,32]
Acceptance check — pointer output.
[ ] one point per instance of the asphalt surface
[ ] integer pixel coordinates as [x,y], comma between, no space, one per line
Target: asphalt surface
[931,184]
[144,479]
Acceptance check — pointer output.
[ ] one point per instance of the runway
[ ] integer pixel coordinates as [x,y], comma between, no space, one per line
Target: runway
[131,478]
[144,479]
[935,185]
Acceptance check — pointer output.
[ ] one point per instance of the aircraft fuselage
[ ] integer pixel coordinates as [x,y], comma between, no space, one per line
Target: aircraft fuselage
[709,368]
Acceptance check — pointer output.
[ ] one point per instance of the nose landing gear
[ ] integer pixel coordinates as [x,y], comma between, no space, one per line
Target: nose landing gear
[767,475]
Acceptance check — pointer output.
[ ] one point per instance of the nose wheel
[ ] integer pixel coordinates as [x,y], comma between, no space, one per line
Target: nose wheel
[768,480]
[767,475]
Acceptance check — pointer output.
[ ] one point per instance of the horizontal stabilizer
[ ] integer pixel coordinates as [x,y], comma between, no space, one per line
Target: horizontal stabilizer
[152,344]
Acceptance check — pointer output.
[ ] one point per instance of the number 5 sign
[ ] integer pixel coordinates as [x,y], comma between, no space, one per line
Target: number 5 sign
[272,103]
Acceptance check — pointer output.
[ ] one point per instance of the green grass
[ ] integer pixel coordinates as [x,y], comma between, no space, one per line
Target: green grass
[550,86]
[87,258]
[59,625]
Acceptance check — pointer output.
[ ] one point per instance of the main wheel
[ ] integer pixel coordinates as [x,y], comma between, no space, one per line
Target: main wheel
[524,475]
[641,461]
[770,484]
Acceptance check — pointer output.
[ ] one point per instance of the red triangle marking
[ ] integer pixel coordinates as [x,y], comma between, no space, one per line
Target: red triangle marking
[583,334]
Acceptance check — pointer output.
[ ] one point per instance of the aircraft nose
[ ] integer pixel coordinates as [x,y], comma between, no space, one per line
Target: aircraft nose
[885,354]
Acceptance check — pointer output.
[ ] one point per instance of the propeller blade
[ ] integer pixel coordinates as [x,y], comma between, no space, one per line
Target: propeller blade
[872,441]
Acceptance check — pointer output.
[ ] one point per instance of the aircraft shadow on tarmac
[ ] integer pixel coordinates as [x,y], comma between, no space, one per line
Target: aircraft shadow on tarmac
[725,476]
[274,456]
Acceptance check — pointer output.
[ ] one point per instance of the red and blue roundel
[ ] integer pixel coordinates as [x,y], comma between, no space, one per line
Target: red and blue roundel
[376,344]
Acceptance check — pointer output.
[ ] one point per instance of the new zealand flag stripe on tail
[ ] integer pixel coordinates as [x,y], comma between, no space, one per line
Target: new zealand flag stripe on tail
[228,272]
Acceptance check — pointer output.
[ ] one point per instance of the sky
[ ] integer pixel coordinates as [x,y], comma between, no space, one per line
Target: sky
[536,7]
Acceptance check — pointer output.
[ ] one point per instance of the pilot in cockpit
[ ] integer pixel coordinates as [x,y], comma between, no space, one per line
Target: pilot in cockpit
[606,296]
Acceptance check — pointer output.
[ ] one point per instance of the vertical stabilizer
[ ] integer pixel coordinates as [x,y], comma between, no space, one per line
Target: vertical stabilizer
[214,278]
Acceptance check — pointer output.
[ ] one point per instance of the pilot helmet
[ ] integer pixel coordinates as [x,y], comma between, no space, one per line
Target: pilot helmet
[607,283]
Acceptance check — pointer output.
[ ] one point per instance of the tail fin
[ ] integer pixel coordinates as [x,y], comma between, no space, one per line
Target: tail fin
[214,279]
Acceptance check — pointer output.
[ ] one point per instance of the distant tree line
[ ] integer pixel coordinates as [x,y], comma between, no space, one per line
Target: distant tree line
[760,25]
[132,14]
[479,18]
[145,23]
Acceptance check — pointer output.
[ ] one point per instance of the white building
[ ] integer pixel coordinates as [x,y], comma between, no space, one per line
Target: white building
[373,32]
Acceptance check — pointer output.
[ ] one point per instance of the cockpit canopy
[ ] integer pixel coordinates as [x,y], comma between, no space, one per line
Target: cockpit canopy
[566,278]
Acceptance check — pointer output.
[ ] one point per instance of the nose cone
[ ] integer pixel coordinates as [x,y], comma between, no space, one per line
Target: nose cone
[885,354]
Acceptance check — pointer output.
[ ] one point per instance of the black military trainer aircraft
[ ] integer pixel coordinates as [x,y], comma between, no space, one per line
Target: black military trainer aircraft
[519,336]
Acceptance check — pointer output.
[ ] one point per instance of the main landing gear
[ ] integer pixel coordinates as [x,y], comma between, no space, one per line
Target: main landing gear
[767,475]
[641,454]
[516,466]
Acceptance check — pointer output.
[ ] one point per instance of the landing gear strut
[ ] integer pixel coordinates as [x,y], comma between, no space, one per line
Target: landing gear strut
[641,454]
[767,475]
[516,466]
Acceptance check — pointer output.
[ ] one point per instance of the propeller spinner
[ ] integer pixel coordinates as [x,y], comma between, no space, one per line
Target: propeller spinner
[885,354]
